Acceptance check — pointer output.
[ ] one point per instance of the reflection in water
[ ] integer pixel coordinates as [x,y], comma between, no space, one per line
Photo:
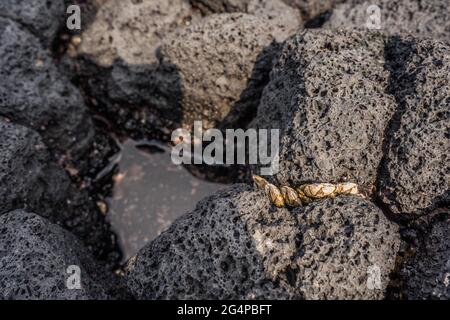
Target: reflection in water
[150,192]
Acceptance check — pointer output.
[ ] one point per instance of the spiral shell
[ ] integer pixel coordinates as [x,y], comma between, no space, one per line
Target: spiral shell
[319,190]
[272,191]
[306,193]
[347,188]
[290,196]
[305,200]
[275,195]
[260,181]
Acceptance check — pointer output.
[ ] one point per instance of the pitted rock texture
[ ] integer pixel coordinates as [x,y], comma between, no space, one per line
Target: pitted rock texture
[312,8]
[30,180]
[327,95]
[276,12]
[34,94]
[220,6]
[235,245]
[131,31]
[42,18]
[415,178]
[35,255]
[118,59]
[348,250]
[166,72]
[222,64]
[427,274]
[421,18]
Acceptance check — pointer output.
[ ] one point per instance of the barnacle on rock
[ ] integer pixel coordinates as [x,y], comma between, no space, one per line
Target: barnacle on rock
[306,193]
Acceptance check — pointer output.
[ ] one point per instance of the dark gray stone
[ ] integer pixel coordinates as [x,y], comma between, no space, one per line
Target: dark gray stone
[132,30]
[156,81]
[327,95]
[34,94]
[220,6]
[233,55]
[42,18]
[117,62]
[235,245]
[30,180]
[424,18]
[34,259]
[415,177]
[310,9]
[427,273]
[277,12]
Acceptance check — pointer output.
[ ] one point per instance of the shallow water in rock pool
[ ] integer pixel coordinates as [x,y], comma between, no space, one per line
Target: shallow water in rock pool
[149,193]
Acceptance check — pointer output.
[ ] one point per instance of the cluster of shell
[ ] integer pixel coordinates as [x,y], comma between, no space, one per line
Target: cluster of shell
[305,193]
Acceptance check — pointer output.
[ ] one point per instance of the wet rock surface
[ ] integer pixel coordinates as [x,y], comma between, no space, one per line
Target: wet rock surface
[149,193]
[35,255]
[415,177]
[424,19]
[236,246]
[30,180]
[327,96]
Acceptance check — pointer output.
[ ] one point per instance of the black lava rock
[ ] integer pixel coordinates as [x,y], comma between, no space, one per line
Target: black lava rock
[34,94]
[36,258]
[30,180]
[42,18]
[235,245]
[420,18]
[427,273]
[327,95]
[415,176]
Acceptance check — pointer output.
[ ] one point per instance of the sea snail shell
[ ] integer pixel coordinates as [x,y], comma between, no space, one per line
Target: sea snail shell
[304,194]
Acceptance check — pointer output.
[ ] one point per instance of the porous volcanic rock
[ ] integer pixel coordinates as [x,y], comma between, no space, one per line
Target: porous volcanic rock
[35,94]
[427,273]
[307,8]
[117,61]
[132,30]
[222,64]
[424,18]
[276,12]
[311,9]
[30,180]
[235,245]
[35,261]
[415,177]
[155,74]
[327,95]
[220,6]
[42,18]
